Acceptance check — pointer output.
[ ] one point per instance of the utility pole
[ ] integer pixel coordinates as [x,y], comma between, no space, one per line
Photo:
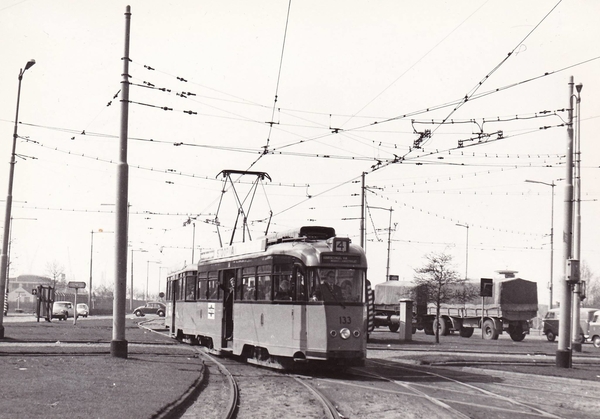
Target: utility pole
[362,212]
[563,353]
[577,338]
[9,196]
[118,344]
[387,268]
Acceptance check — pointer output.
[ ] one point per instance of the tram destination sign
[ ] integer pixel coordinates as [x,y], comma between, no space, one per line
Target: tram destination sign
[341,259]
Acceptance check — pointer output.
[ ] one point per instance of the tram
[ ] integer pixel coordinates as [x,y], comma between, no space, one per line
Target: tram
[289,298]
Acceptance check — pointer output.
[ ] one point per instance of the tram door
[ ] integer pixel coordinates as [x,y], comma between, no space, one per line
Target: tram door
[228,282]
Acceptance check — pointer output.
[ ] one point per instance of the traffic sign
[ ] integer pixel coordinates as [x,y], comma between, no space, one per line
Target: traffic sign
[76,284]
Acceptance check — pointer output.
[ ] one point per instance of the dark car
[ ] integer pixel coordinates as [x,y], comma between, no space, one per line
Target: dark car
[151,307]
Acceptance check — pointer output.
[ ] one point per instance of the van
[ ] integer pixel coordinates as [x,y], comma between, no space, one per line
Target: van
[595,329]
[551,320]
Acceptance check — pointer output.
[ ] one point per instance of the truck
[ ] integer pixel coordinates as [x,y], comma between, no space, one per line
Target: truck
[510,308]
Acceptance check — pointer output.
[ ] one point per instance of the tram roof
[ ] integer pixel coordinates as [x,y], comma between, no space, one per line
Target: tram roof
[292,242]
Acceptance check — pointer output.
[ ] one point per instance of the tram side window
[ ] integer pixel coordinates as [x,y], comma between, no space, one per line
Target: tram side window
[169,289]
[172,284]
[240,288]
[190,288]
[249,283]
[264,288]
[285,287]
[202,286]
[181,288]
[213,286]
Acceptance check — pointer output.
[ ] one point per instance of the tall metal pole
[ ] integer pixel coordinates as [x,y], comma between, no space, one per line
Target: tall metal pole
[550,284]
[577,338]
[148,262]
[6,235]
[563,353]
[193,240]
[118,345]
[131,294]
[147,279]
[387,269]
[362,213]
[467,251]
[91,262]
[131,286]
[552,249]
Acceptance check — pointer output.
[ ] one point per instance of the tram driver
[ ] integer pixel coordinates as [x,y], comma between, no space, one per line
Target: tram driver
[284,290]
[328,290]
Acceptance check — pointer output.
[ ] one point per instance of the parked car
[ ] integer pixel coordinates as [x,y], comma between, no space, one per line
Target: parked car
[62,310]
[151,307]
[82,310]
[551,320]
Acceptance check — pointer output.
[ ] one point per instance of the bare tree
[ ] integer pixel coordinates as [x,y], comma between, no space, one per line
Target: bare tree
[440,280]
[592,286]
[57,272]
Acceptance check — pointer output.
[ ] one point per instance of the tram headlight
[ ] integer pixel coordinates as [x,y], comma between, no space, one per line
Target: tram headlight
[345,333]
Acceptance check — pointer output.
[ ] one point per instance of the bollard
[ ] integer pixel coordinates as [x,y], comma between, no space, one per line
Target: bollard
[405,330]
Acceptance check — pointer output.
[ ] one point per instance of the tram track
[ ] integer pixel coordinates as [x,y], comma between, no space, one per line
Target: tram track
[467,388]
[235,390]
[513,395]
[385,388]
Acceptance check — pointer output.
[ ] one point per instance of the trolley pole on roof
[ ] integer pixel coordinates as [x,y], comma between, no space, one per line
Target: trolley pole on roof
[118,344]
[563,353]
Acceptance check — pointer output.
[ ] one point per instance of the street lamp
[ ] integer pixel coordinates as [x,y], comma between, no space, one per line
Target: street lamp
[551,237]
[387,268]
[160,268]
[191,221]
[11,173]
[148,274]
[90,299]
[467,260]
[131,294]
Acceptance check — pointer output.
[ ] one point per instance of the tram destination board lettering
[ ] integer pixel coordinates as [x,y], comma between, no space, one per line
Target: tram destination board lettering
[341,259]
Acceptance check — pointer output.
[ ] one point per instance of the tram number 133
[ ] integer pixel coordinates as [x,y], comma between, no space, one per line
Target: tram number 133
[345,320]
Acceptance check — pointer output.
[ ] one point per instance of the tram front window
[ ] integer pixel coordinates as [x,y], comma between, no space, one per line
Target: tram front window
[336,285]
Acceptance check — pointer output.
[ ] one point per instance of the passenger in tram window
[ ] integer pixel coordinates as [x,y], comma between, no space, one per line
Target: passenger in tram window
[250,293]
[284,290]
[264,288]
[347,293]
[213,290]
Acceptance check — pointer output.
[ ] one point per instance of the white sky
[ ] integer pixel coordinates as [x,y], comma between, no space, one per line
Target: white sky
[352,65]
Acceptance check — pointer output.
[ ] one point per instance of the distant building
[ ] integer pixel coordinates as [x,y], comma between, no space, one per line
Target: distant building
[20,296]
[19,291]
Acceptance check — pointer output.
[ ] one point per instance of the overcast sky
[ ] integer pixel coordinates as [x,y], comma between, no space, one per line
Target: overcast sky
[358,87]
